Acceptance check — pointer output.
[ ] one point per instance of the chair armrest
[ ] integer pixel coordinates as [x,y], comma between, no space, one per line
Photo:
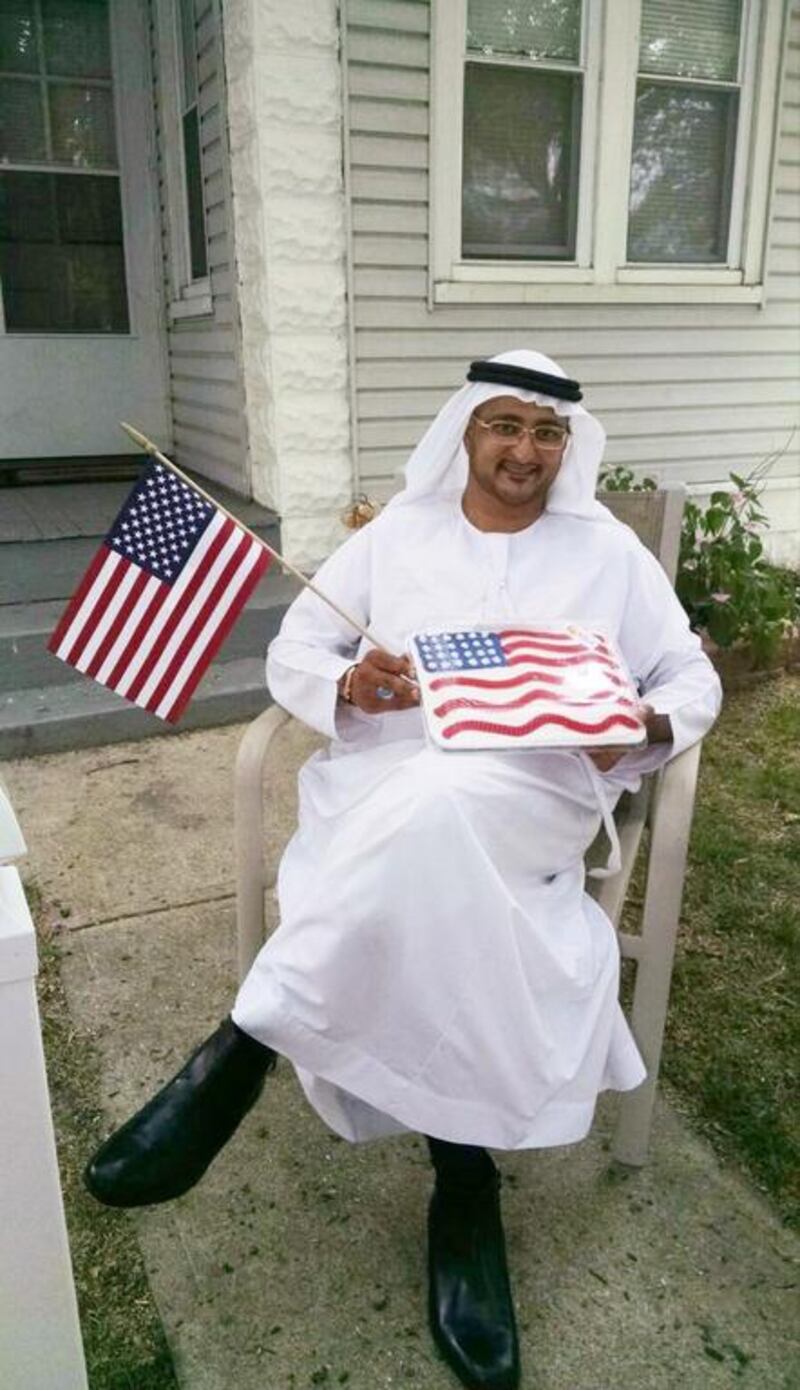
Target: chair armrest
[248,820]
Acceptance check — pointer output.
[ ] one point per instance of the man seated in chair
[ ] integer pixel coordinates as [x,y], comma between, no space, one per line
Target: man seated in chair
[438,966]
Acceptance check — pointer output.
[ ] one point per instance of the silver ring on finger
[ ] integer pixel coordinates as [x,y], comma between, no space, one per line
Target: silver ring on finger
[383,692]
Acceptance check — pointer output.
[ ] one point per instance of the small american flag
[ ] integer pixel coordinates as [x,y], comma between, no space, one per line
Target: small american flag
[547,686]
[160,595]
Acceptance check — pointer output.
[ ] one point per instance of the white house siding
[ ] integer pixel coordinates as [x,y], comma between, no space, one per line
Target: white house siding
[685,392]
[207,402]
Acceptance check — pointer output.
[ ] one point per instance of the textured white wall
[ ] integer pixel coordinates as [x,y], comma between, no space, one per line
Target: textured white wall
[285,119]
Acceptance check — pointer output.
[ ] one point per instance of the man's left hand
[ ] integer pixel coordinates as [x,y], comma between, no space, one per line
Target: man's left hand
[658,730]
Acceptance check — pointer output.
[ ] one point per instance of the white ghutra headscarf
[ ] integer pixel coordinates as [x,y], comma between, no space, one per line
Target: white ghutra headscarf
[439,462]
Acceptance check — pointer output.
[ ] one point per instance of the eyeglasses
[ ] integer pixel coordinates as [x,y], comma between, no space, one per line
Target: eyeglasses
[546,436]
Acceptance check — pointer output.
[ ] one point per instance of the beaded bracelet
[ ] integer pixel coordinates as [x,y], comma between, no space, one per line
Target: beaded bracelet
[346,691]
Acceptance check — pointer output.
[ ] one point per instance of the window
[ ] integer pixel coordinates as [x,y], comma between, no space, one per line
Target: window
[190,132]
[686,120]
[181,131]
[62,264]
[610,152]
[523,73]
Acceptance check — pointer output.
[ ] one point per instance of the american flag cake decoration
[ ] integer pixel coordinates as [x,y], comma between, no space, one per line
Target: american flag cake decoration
[549,686]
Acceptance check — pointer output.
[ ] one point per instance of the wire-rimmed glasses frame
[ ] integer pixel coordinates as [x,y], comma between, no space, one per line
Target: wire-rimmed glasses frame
[545,435]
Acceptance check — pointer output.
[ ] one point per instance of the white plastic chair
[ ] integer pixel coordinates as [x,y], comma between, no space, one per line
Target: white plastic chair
[664,803]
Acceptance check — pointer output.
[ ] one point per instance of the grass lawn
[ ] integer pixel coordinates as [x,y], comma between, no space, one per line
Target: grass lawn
[730,1058]
[732,1051]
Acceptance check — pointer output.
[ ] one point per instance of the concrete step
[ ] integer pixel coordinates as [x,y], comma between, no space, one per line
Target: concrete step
[55,718]
[48,536]
[25,628]
[36,571]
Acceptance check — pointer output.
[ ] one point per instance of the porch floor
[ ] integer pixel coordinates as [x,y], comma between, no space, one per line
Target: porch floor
[60,510]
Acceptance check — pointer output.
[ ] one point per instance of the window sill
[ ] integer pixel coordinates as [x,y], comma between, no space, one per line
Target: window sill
[631,291]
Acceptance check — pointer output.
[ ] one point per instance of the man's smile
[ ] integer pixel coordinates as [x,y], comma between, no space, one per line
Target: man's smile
[521,471]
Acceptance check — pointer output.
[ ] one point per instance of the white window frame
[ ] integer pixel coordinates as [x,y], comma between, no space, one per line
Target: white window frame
[600,272]
[189,298]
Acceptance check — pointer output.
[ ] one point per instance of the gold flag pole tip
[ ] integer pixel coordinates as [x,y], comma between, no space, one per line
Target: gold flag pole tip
[140,439]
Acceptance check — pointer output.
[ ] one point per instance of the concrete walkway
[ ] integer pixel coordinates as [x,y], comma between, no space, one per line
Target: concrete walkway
[299,1260]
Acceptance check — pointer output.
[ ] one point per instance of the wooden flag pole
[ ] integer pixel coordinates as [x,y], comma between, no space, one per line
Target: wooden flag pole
[150,448]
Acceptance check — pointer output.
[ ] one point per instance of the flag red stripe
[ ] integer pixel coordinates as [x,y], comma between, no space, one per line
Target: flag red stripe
[196,626]
[94,615]
[480,683]
[194,629]
[571,648]
[527,699]
[183,602]
[125,609]
[529,632]
[215,642]
[98,560]
[132,645]
[561,660]
[485,726]
[594,641]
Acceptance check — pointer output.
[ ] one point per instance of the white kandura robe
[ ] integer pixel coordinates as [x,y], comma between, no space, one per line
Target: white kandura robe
[438,966]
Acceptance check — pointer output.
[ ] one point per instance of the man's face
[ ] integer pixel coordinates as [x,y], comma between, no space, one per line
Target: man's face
[514,473]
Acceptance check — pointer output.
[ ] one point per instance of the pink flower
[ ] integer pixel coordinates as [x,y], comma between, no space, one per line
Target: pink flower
[720,597]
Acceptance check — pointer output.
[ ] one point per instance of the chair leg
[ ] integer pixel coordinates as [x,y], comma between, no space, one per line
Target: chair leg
[634,1119]
[671,819]
[249,834]
[648,1017]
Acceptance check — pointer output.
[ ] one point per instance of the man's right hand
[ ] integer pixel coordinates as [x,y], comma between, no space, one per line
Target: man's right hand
[379,670]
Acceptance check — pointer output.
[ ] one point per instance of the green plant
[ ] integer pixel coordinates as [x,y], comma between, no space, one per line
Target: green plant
[725,583]
[619,479]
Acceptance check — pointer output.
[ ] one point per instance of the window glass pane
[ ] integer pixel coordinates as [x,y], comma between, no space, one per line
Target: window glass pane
[681,171]
[194,194]
[18,42]
[691,38]
[21,120]
[82,125]
[538,28]
[27,207]
[88,209]
[521,151]
[76,42]
[61,256]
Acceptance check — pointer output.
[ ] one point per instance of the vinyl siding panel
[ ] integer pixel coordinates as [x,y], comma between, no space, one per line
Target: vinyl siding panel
[209,428]
[685,392]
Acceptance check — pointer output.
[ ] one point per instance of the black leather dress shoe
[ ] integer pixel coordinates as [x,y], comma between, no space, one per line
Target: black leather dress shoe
[470,1307]
[166,1147]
